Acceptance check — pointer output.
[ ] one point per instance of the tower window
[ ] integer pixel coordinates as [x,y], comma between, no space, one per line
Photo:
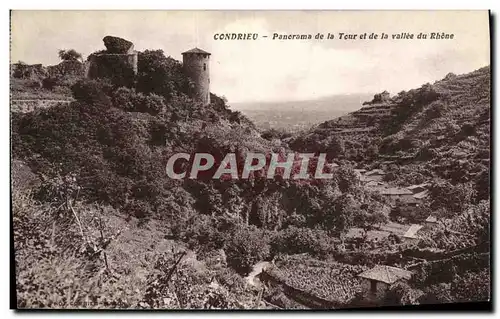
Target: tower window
[204,66]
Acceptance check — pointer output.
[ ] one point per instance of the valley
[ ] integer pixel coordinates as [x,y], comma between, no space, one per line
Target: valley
[97,222]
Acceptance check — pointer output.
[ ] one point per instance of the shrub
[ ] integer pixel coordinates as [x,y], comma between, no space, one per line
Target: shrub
[346,179]
[128,100]
[160,74]
[246,247]
[49,83]
[436,110]
[452,198]
[92,91]
[294,240]
[123,98]
[201,231]
[231,280]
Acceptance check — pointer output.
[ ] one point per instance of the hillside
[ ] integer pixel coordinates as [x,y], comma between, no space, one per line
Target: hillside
[293,116]
[443,128]
[97,195]
[98,224]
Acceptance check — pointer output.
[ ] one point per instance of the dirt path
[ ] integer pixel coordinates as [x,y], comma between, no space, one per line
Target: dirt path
[256,269]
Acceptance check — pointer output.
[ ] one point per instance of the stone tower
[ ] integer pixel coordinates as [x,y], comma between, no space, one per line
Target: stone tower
[119,59]
[196,67]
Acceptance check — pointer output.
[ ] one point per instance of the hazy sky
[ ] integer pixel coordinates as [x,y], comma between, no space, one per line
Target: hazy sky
[271,70]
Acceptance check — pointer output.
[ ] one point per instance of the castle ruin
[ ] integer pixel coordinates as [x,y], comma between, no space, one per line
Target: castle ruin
[196,67]
[119,60]
[119,56]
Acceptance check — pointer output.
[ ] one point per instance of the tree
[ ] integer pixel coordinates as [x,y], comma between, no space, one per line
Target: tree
[342,214]
[436,294]
[452,198]
[246,247]
[472,286]
[70,55]
[401,294]
[160,74]
[475,222]
[92,91]
[347,179]
[295,240]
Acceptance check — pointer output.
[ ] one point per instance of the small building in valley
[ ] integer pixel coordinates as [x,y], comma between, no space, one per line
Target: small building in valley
[378,280]
[431,222]
[374,175]
[418,188]
[394,194]
[411,236]
[422,195]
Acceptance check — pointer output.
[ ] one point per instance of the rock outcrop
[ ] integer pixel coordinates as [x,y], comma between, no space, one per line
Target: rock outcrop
[380,98]
[118,61]
[116,45]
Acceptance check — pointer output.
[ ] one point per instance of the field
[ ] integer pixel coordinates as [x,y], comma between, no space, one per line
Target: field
[328,280]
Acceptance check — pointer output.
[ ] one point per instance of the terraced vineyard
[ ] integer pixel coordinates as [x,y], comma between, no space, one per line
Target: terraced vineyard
[328,280]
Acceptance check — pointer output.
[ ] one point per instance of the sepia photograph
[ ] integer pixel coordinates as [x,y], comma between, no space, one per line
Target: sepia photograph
[250,160]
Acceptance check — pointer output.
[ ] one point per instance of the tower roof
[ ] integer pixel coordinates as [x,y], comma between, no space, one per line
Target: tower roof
[386,274]
[196,51]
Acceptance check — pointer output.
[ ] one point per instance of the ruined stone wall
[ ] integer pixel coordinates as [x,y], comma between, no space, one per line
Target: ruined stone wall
[113,66]
[67,68]
[118,62]
[28,71]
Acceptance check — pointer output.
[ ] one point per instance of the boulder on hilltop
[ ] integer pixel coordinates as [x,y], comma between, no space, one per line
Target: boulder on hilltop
[117,45]
[383,97]
[450,76]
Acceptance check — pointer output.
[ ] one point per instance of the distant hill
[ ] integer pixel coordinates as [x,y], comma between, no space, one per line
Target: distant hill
[443,128]
[298,115]
[344,102]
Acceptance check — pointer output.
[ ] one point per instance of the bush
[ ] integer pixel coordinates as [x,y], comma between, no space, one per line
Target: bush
[123,98]
[130,101]
[49,83]
[295,240]
[231,280]
[160,74]
[452,198]
[435,111]
[201,231]
[138,209]
[246,247]
[275,134]
[92,91]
